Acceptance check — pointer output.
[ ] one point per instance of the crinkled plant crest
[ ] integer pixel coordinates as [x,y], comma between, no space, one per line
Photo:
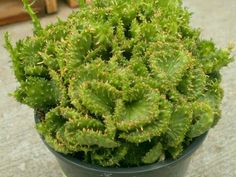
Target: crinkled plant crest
[120,83]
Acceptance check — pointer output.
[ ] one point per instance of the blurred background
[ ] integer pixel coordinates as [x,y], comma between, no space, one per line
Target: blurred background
[22,153]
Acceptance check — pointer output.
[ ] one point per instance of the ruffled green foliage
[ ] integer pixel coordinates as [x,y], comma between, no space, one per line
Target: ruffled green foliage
[154,154]
[121,83]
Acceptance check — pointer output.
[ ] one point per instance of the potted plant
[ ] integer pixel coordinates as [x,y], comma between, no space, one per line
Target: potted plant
[121,88]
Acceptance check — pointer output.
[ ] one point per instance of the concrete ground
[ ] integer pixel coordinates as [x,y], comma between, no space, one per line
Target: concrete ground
[22,154]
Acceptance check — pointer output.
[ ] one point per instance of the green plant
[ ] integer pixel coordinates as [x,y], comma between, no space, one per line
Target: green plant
[120,83]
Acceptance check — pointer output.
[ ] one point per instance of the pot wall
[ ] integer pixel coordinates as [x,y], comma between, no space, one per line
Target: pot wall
[175,170]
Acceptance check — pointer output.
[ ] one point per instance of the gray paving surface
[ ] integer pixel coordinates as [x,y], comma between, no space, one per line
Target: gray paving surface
[22,154]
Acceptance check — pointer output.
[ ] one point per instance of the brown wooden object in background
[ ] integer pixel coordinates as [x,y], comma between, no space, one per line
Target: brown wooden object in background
[74,3]
[12,11]
[51,6]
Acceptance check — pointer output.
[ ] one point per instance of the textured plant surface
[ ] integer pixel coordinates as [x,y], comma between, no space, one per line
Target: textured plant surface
[120,83]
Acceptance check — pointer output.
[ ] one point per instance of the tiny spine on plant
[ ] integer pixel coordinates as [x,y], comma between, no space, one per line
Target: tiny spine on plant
[120,83]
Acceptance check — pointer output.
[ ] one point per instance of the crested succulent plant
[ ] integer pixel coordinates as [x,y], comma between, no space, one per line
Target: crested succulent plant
[120,83]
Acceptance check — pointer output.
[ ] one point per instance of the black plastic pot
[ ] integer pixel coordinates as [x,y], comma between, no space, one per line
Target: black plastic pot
[73,167]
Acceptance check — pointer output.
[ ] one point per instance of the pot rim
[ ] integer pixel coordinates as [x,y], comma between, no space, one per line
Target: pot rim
[189,150]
